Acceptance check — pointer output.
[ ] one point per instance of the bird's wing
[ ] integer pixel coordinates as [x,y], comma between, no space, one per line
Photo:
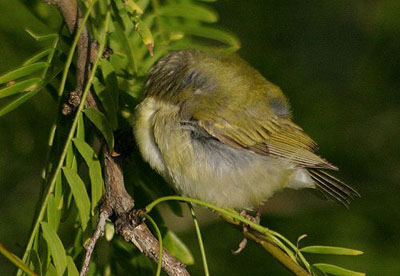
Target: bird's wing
[271,136]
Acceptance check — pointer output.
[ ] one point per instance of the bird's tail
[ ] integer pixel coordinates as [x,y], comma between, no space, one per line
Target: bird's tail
[333,187]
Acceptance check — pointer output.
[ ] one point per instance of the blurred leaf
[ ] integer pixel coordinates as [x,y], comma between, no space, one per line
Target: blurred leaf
[56,248]
[41,37]
[332,250]
[37,263]
[145,34]
[95,174]
[189,11]
[17,102]
[19,87]
[133,6]
[72,270]
[109,231]
[51,271]
[102,124]
[16,261]
[210,33]
[336,270]
[177,248]
[80,194]
[38,56]
[22,71]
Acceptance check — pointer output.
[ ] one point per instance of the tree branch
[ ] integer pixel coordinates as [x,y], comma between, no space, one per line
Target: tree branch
[129,223]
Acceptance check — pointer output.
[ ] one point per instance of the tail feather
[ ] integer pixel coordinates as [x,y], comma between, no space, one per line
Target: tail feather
[333,187]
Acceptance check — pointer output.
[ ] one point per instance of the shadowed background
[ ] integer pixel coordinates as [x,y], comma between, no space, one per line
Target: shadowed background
[337,61]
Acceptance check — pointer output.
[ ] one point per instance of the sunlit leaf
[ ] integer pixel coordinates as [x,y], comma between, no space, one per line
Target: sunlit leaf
[189,11]
[56,248]
[22,71]
[145,33]
[177,248]
[109,231]
[102,124]
[95,173]
[332,250]
[80,194]
[72,270]
[133,6]
[336,270]
[19,87]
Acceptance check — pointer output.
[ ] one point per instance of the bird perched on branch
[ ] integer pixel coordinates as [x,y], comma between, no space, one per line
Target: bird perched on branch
[218,131]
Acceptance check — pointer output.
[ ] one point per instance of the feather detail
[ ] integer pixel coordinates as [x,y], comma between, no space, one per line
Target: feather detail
[333,187]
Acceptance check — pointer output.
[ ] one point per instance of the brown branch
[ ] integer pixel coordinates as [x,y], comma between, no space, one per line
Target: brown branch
[117,200]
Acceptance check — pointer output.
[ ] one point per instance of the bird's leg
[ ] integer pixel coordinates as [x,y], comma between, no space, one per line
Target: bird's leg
[256,219]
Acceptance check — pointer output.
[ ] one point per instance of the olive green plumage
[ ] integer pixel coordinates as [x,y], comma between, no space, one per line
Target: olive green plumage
[218,131]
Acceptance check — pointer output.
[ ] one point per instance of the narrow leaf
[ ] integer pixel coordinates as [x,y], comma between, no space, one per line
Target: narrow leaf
[177,248]
[332,250]
[80,195]
[22,86]
[133,6]
[38,56]
[72,270]
[337,270]
[16,102]
[36,262]
[56,248]
[41,37]
[210,33]
[106,97]
[53,216]
[95,173]
[23,71]
[190,11]
[16,261]
[100,121]
[145,33]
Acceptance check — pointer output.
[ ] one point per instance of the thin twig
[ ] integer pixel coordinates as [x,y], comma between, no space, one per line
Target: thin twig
[105,213]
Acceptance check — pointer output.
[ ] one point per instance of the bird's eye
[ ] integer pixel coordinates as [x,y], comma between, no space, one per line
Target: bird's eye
[279,107]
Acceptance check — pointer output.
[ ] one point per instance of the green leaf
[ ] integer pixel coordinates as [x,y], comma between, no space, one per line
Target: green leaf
[16,102]
[56,248]
[332,250]
[177,248]
[16,261]
[41,37]
[189,11]
[23,71]
[51,271]
[22,86]
[107,101]
[145,33]
[210,33]
[72,270]
[102,124]
[336,270]
[38,56]
[80,194]
[109,231]
[53,215]
[95,173]
[36,262]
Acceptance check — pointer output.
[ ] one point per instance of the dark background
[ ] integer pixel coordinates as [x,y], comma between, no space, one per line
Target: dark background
[337,61]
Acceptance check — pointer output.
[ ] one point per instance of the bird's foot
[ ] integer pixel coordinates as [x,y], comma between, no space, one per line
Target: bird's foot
[256,219]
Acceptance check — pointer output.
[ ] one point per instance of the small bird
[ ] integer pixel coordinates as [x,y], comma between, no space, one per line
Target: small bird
[218,131]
